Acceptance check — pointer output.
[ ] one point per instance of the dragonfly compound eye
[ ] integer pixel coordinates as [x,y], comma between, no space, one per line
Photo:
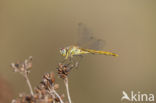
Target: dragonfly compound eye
[63,52]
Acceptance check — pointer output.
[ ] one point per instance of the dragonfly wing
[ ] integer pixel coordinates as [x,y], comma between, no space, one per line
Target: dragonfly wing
[96,44]
[87,39]
[84,34]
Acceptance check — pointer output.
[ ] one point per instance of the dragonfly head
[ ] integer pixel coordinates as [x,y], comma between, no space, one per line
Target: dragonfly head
[63,51]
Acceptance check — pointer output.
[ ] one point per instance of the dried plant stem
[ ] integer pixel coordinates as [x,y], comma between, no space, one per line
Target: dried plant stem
[67,89]
[29,84]
[58,96]
[52,91]
[53,97]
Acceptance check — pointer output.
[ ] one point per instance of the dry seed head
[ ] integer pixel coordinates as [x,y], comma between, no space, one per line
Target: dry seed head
[22,67]
[64,69]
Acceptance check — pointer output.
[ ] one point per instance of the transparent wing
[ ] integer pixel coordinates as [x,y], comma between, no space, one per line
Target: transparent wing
[86,39]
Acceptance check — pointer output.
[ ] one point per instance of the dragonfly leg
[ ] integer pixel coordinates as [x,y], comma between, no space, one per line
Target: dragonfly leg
[77,60]
[72,61]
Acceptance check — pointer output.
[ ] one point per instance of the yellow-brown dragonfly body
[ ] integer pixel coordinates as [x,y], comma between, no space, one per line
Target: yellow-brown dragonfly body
[71,51]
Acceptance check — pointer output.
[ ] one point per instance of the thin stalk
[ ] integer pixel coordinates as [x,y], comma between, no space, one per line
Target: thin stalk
[53,97]
[67,89]
[54,92]
[29,84]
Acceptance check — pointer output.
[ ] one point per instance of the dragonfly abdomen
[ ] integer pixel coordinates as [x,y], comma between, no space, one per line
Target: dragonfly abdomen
[100,52]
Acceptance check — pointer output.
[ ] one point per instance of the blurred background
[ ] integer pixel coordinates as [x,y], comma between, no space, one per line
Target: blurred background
[39,28]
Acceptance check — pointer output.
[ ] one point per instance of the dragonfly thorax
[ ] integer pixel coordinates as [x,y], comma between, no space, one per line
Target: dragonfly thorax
[70,51]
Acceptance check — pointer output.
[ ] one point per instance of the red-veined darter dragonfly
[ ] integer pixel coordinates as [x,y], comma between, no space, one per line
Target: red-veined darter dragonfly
[85,36]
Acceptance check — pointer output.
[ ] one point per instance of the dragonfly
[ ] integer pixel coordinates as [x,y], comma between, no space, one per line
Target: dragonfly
[70,51]
[76,50]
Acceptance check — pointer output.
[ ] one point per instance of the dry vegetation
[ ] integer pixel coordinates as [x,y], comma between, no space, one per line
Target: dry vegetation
[46,91]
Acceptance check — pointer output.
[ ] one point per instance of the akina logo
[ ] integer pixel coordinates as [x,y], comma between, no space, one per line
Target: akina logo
[137,96]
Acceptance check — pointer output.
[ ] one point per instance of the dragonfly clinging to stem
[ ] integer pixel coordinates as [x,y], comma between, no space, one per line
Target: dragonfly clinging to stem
[71,51]
[74,50]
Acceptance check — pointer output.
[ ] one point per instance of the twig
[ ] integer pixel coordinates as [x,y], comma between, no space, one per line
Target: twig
[29,84]
[67,89]
[52,91]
